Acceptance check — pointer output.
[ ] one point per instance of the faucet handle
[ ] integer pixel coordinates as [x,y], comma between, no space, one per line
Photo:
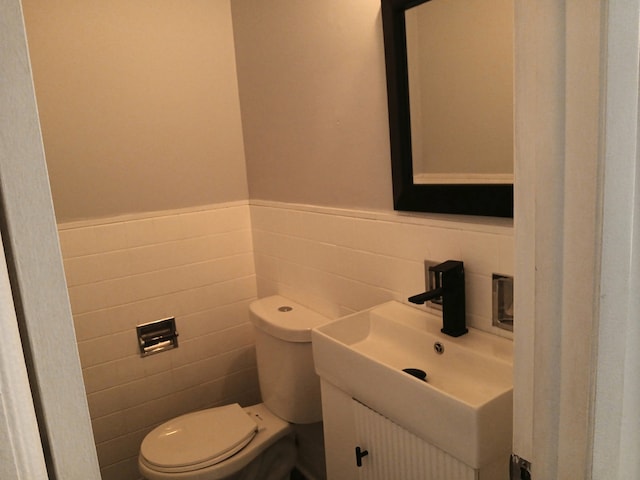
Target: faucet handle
[448,266]
[450,269]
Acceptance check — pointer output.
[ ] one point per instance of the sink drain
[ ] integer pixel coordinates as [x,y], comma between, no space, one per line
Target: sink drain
[416,372]
[438,348]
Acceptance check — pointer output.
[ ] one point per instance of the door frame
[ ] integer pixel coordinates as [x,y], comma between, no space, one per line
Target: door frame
[37,283]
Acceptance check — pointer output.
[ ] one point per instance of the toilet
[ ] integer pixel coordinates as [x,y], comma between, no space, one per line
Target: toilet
[256,442]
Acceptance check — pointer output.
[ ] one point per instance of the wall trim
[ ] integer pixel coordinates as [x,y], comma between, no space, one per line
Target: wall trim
[131,217]
[502,226]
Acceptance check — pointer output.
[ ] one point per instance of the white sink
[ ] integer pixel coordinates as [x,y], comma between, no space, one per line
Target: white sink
[464,407]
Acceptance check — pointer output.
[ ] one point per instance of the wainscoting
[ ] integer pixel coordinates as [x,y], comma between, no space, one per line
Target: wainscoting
[205,266]
[338,261]
[195,265]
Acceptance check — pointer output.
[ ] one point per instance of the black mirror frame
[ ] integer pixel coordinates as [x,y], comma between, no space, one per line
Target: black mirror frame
[492,200]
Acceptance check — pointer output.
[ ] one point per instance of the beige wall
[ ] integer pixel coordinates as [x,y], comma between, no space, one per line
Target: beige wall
[138,104]
[313,97]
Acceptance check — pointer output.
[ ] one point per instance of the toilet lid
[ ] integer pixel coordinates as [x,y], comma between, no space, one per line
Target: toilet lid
[199,439]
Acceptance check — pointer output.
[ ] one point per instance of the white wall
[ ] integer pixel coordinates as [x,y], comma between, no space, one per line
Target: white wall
[342,260]
[196,265]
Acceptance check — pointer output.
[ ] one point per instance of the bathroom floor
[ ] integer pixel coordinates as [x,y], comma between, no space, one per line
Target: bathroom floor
[296,475]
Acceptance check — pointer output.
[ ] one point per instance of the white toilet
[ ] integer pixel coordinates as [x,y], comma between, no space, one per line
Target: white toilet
[234,443]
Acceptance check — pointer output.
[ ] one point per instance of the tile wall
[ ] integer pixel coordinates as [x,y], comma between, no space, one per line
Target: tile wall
[195,265]
[338,261]
[204,267]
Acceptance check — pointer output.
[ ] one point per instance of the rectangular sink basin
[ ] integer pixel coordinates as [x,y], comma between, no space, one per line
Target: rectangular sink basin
[465,407]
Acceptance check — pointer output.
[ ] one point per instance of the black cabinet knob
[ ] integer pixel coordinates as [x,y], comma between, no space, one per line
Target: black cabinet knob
[359,454]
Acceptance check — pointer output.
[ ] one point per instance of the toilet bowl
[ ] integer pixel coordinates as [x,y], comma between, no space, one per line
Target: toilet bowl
[256,442]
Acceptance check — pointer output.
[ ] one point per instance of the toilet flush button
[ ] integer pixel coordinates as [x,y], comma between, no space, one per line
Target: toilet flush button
[285,308]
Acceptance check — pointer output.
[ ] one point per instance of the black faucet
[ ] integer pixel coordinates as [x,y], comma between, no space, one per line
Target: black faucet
[449,286]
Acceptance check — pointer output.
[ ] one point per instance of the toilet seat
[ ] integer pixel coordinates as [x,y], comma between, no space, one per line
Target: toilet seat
[198,440]
[273,433]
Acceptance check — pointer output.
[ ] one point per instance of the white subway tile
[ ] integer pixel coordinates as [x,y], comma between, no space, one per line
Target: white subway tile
[190,375]
[372,236]
[107,348]
[110,237]
[83,270]
[443,244]
[479,252]
[140,232]
[230,362]
[320,227]
[77,242]
[242,381]
[229,219]
[127,317]
[121,291]
[191,399]
[478,296]
[125,469]
[169,228]
[150,258]
[101,377]
[390,273]
[267,287]
[147,389]
[87,298]
[271,243]
[93,324]
[230,339]
[506,254]
[212,393]
[105,402]
[269,219]
[356,295]
[232,243]
[267,265]
[217,220]
[115,264]
[121,448]
[108,427]
[141,367]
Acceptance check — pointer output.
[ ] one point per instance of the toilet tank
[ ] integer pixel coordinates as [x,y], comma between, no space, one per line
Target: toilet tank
[289,386]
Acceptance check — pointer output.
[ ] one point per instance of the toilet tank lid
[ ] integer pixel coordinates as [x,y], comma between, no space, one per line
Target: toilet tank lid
[285,319]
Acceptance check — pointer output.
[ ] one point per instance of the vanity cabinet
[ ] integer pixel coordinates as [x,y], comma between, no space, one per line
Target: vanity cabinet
[355,434]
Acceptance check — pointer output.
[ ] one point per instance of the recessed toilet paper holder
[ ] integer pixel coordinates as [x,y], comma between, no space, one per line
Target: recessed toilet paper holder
[157,336]
[502,301]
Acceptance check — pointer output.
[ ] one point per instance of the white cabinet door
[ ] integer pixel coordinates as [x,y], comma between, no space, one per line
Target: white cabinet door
[387,451]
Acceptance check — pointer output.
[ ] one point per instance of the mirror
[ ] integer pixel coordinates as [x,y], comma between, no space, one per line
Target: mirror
[450,94]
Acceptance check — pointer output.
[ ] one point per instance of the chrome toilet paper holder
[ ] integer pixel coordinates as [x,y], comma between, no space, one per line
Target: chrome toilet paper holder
[157,336]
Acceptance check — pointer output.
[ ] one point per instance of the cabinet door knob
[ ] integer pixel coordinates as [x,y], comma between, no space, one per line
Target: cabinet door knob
[359,454]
